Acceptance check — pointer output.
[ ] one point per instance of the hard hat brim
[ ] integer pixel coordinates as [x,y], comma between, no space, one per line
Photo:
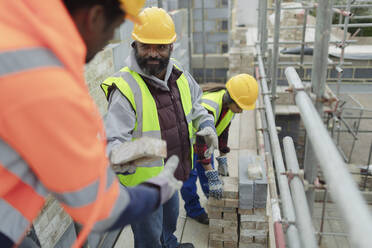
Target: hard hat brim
[247,107]
[154,41]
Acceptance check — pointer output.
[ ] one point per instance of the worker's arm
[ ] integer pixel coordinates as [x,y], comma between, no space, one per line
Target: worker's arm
[58,132]
[223,140]
[119,120]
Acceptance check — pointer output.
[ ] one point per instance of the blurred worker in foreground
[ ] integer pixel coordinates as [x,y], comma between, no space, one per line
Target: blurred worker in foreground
[153,96]
[240,93]
[51,135]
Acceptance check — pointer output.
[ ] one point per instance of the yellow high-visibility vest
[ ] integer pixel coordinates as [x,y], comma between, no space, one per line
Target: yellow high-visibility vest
[134,88]
[212,101]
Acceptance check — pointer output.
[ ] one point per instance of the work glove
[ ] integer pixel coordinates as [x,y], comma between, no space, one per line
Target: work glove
[222,166]
[211,140]
[214,183]
[166,181]
[118,167]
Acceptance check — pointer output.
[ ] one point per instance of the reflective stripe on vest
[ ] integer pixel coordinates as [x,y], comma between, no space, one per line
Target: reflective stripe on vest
[212,101]
[134,88]
[26,59]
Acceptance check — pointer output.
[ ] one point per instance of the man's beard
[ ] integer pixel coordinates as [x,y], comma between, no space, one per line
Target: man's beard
[151,69]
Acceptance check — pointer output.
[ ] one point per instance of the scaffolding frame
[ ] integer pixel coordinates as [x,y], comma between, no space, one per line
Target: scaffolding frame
[317,132]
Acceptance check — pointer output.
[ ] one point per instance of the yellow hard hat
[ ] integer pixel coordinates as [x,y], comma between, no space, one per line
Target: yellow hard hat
[132,9]
[157,27]
[243,89]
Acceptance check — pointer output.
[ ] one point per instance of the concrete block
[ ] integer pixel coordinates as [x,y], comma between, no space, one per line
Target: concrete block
[262,226]
[246,186]
[217,37]
[251,245]
[220,13]
[207,4]
[221,209]
[209,26]
[197,14]
[224,236]
[252,233]
[214,214]
[260,186]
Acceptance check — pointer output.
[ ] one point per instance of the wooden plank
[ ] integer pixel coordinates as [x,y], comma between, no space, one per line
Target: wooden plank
[195,233]
[234,137]
[248,130]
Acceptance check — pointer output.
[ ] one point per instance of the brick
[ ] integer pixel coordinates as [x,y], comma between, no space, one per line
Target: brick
[223,223]
[215,244]
[260,239]
[221,209]
[215,214]
[248,225]
[224,237]
[251,245]
[214,202]
[244,239]
[260,185]
[245,211]
[230,244]
[231,230]
[245,218]
[215,229]
[232,203]
[230,216]
[252,233]
[262,225]
[230,187]
[260,211]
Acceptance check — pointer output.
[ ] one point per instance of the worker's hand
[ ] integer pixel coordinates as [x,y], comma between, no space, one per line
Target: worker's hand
[166,181]
[222,166]
[211,140]
[214,183]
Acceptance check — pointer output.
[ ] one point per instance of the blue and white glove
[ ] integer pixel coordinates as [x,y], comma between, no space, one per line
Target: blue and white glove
[211,139]
[214,183]
[222,166]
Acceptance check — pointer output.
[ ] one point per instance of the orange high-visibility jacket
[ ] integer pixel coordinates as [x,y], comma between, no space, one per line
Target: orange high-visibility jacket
[51,134]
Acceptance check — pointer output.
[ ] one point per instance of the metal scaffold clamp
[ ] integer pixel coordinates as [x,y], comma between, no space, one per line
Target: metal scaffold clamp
[290,175]
[286,224]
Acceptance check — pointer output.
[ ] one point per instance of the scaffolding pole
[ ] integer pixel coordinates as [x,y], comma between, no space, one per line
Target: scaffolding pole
[285,195]
[318,79]
[342,188]
[203,40]
[189,35]
[263,27]
[275,60]
[303,217]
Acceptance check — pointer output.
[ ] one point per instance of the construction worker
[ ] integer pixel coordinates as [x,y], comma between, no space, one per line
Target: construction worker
[51,135]
[240,93]
[153,96]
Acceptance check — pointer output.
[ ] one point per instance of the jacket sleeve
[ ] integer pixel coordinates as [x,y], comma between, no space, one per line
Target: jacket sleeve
[62,140]
[120,120]
[200,116]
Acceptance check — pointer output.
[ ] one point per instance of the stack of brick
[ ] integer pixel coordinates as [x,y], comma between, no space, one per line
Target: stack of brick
[241,60]
[223,216]
[253,229]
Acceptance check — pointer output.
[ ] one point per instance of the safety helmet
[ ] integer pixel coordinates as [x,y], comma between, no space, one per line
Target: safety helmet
[243,89]
[132,9]
[157,27]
